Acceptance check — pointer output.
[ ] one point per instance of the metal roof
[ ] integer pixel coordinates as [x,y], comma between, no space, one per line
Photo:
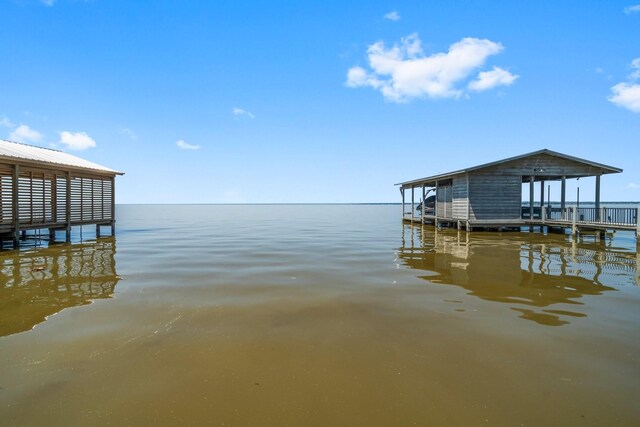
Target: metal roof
[14,150]
[605,168]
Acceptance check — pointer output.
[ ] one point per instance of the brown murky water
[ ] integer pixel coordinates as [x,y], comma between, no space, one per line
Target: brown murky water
[318,315]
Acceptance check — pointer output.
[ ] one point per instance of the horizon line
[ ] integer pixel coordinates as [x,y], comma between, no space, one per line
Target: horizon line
[345,203]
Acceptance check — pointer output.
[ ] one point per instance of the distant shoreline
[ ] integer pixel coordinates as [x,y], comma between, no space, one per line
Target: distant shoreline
[524,203]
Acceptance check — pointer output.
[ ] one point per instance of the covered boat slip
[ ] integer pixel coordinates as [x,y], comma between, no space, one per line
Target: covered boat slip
[48,189]
[490,196]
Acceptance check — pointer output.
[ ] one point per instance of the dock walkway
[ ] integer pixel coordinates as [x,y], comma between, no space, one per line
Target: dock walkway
[574,218]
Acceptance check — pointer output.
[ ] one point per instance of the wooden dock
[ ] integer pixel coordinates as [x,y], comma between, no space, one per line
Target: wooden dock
[576,219]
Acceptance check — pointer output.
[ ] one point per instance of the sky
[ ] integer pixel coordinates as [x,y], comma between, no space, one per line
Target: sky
[320,102]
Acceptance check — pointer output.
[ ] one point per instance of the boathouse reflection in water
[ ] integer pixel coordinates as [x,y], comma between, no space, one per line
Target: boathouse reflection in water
[542,277]
[34,285]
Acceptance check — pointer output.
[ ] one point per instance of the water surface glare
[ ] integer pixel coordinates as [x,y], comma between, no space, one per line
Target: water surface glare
[329,315]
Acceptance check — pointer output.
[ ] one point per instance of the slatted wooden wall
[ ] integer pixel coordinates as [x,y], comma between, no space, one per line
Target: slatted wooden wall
[460,197]
[43,195]
[91,199]
[6,195]
[444,201]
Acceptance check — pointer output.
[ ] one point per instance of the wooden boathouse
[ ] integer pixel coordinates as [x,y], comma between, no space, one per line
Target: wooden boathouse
[489,196]
[41,188]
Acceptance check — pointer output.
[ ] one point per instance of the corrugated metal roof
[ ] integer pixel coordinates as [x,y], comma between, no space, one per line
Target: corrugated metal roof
[32,153]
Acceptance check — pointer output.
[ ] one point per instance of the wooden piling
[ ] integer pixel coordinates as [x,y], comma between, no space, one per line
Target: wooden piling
[413,201]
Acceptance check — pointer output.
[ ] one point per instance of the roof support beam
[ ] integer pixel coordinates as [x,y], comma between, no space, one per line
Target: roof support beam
[597,197]
[563,191]
[424,201]
[16,206]
[531,181]
[113,206]
[67,209]
[413,201]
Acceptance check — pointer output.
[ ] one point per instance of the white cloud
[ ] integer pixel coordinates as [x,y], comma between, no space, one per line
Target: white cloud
[76,140]
[358,76]
[5,122]
[635,66]
[48,2]
[490,79]
[627,94]
[633,185]
[632,9]
[240,112]
[403,71]
[24,133]
[184,146]
[131,134]
[392,16]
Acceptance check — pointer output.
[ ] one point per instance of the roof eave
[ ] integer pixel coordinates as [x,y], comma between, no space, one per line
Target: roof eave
[606,169]
[59,166]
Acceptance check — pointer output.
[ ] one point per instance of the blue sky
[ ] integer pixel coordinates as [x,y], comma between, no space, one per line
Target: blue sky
[230,101]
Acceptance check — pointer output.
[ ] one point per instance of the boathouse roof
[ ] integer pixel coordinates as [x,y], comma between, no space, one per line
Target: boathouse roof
[594,168]
[14,151]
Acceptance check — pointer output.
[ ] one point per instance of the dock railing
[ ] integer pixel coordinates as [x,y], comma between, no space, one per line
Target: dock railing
[603,216]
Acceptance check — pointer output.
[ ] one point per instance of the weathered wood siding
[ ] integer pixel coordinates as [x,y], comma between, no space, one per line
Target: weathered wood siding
[444,205]
[543,165]
[494,196]
[460,198]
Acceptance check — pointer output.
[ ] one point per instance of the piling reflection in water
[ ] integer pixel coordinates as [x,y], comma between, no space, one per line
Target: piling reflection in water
[34,285]
[544,278]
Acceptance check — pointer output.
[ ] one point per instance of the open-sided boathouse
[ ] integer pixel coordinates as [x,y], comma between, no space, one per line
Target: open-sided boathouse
[41,188]
[490,196]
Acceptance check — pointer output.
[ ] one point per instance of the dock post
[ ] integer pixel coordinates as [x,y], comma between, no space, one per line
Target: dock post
[563,190]
[424,202]
[402,192]
[97,231]
[68,208]
[637,225]
[574,214]
[52,235]
[113,229]
[532,180]
[413,207]
[598,217]
[15,206]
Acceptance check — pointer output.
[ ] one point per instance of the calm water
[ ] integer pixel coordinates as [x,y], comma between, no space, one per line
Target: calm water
[320,316]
